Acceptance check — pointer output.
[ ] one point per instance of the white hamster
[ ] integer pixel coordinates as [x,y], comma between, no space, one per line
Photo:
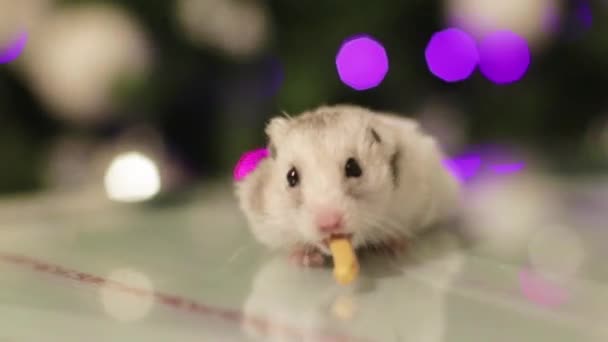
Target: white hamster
[345,170]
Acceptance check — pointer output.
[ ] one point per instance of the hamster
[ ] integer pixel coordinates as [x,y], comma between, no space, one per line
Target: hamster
[345,170]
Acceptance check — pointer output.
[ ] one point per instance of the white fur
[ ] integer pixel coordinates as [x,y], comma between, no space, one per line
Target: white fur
[426,194]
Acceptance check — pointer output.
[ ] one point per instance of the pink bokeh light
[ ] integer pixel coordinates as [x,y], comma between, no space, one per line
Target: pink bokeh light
[540,290]
[248,162]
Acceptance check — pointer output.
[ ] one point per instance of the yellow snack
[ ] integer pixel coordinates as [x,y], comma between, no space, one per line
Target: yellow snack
[346,266]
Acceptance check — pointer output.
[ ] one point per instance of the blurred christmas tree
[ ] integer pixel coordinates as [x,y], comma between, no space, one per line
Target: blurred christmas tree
[215,71]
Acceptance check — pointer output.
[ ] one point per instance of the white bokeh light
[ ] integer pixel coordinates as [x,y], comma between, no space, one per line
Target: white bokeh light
[532,19]
[127,305]
[556,251]
[76,56]
[237,28]
[132,177]
[504,213]
[22,15]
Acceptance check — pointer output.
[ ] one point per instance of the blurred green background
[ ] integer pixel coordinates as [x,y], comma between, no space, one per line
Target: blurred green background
[194,81]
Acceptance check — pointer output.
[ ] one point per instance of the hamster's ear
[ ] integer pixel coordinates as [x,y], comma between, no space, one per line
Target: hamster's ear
[275,129]
[374,135]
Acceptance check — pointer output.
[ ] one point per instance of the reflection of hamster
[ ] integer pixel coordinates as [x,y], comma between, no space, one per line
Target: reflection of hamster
[407,307]
[374,177]
[278,296]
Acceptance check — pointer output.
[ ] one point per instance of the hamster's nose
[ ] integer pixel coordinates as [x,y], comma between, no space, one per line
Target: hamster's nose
[329,221]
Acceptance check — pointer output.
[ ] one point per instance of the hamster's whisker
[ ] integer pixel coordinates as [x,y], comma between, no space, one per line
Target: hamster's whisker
[376,242]
[388,228]
[374,225]
[285,114]
[377,225]
[237,253]
[395,226]
[381,223]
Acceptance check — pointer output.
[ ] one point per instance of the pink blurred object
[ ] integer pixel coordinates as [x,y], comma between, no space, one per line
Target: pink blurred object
[248,162]
[541,291]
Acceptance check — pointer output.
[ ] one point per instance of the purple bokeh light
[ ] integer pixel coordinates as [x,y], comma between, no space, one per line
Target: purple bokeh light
[274,76]
[507,168]
[451,55]
[248,162]
[552,19]
[571,24]
[14,49]
[362,62]
[540,291]
[487,160]
[464,167]
[504,57]
[584,13]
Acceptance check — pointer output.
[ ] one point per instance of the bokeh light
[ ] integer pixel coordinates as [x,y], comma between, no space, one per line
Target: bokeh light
[19,17]
[274,76]
[362,62]
[556,250]
[503,213]
[486,161]
[584,13]
[451,55]
[574,20]
[501,160]
[237,28]
[541,291]
[507,168]
[13,50]
[76,58]
[126,305]
[504,57]
[248,162]
[464,167]
[132,177]
[552,20]
[529,19]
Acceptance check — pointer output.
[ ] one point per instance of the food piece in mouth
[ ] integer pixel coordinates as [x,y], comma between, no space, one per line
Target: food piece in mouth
[346,265]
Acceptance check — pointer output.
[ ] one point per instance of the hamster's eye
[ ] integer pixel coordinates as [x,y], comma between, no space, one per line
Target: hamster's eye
[292,177]
[352,168]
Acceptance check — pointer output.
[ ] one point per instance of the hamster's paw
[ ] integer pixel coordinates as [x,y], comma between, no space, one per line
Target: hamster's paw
[307,256]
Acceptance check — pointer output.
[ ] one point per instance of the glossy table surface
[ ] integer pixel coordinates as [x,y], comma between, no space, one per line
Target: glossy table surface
[76,267]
